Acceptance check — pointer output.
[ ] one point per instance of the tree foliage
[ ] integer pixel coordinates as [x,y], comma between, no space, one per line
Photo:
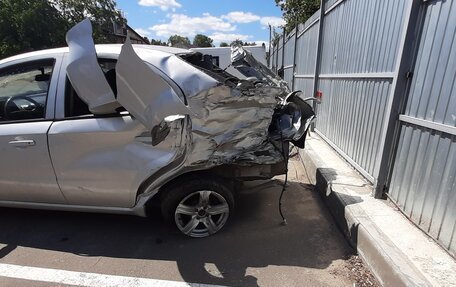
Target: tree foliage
[224,44]
[240,42]
[102,13]
[275,38]
[27,25]
[179,41]
[158,42]
[297,11]
[202,41]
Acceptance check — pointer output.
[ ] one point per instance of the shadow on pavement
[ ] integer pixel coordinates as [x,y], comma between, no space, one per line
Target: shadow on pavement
[254,237]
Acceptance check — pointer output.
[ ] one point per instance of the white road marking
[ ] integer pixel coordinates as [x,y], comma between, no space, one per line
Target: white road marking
[86,279]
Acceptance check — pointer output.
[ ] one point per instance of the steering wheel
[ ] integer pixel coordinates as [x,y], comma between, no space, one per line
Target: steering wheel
[7,114]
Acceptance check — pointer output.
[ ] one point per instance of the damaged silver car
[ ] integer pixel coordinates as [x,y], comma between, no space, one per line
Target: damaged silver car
[121,128]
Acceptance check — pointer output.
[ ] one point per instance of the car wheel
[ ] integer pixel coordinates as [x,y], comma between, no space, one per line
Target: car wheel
[198,207]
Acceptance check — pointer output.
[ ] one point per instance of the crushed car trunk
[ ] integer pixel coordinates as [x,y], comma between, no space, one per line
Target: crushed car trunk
[224,120]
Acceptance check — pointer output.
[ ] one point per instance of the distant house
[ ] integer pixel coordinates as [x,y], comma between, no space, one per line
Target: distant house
[120,32]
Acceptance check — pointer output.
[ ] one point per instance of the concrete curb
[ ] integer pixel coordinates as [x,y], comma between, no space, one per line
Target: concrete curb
[345,192]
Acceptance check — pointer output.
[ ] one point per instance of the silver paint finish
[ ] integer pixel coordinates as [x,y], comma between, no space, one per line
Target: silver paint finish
[26,172]
[246,64]
[144,93]
[103,161]
[234,126]
[36,182]
[84,72]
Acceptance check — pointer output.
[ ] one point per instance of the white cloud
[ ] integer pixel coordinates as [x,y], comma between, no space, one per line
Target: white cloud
[241,17]
[143,32]
[273,21]
[184,25]
[227,37]
[163,4]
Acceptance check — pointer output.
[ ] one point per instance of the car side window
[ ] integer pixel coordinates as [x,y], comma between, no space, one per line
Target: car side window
[74,106]
[24,90]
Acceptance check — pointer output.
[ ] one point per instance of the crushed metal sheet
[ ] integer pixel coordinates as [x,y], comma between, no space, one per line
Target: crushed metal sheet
[142,92]
[234,126]
[225,120]
[246,64]
[84,72]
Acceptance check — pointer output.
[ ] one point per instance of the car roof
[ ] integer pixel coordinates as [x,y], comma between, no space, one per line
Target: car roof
[101,49]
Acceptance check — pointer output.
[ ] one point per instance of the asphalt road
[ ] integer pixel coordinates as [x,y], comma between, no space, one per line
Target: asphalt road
[254,249]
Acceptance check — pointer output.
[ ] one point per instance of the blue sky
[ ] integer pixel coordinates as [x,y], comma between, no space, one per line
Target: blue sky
[222,20]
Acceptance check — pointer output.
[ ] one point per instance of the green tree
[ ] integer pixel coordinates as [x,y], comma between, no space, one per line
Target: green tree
[297,11]
[275,38]
[202,41]
[224,44]
[158,42]
[242,43]
[179,41]
[102,13]
[27,25]
[237,41]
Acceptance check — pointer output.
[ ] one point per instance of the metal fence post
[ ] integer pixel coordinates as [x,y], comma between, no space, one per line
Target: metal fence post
[294,57]
[398,96]
[270,48]
[277,57]
[318,58]
[283,49]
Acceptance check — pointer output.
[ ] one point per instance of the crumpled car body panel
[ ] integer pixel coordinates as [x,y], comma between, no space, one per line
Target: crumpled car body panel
[142,92]
[223,120]
[85,73]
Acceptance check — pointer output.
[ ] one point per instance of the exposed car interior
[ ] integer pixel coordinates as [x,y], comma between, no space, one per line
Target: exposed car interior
[23,91]
[74,106]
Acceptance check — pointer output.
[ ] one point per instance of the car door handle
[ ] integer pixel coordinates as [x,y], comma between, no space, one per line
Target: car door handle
[22,143]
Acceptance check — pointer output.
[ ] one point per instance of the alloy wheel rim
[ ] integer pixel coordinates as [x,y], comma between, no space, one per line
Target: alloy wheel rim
[201,213]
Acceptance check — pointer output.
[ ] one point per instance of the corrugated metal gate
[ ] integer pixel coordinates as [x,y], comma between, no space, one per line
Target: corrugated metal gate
[424,175]
[360,54]
[359,50]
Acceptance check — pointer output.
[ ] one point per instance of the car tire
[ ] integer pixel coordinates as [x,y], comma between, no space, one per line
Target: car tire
[198,207]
